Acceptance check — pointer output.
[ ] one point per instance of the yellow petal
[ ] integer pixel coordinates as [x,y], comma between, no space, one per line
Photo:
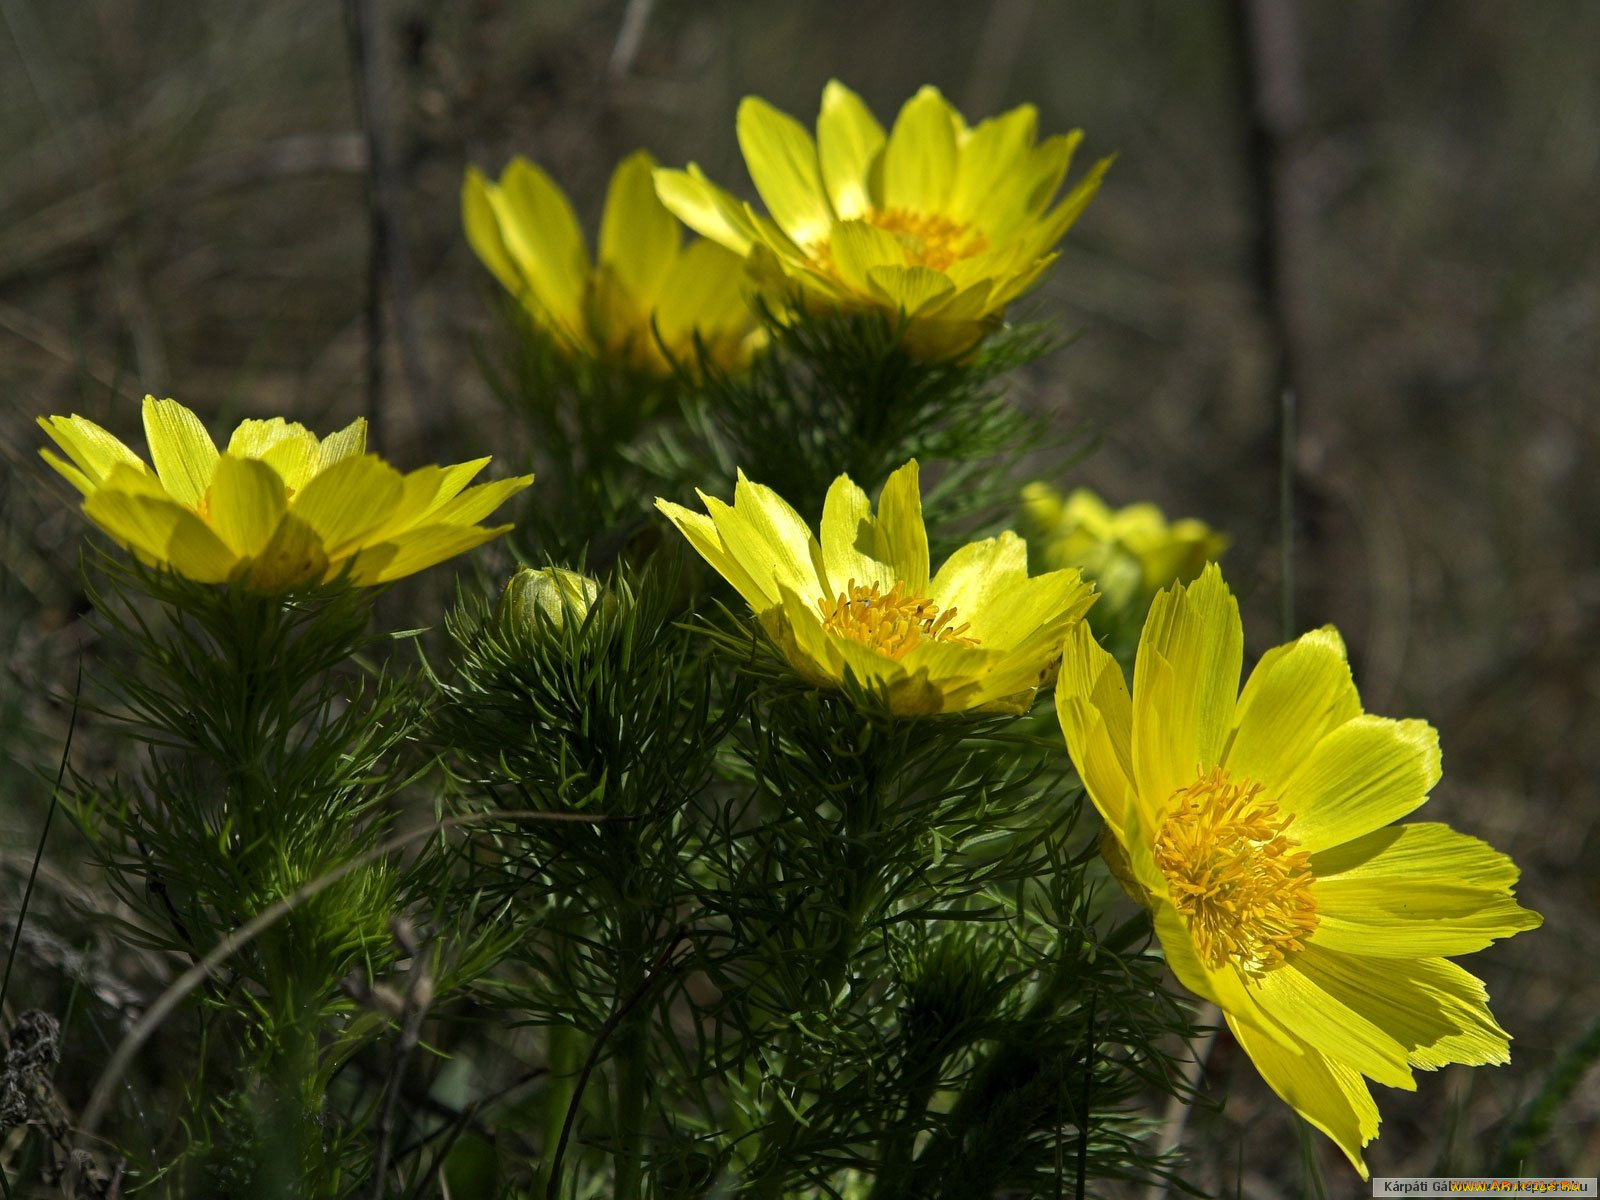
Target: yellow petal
[988,163]
[181,449]
[162,532]
[638,236]
[1332,1097]
[293,556]
[702,533]
[418,549]
[349,501]
[782,161]
[1186,680]
[1409,891]
[769,539]
[288,448]
[348,442]
[848,140]
[858,248]
[482,226]
[919,161]
[853,549]
[901,529]
[1096,718]
[1361,776]
[910,290]
[92,450]
[978,580]
[702,292]
[542,236]
[1054,225]
[1296,694]
[1306,1000]
[705,208]
[476,503]
[424,491]
[1014,211]
[247,501]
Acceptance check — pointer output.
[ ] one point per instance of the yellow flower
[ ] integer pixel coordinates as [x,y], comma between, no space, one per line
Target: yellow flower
[1130,553]
[1256,826]
[646,283]
[278,507]
[980,634]
[938,222]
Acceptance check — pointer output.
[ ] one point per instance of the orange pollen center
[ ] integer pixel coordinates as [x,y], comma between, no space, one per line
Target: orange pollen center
[891,622]
[927,239]
[1239,881]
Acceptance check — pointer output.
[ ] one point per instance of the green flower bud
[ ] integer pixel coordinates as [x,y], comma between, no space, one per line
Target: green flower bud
[557,593]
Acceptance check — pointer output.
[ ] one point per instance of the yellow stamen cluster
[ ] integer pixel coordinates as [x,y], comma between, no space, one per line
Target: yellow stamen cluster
[891,622]
[930,239]
[1235,876]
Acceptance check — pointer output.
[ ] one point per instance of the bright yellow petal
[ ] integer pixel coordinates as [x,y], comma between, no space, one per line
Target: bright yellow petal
[418,549]
[848,140]
[638,236]
[70,473]
[1014,213]
[705,208]
[349,442]
[1360,777]
[1054,225]
[987,164]
[901,528]
[1185,683]
[1296,694]
[702,533]
[1096,717]
[1410,891]
[162,532]
[769,539]
[424,491]
[476,503]
[482,225]
[287,447]
[703,292]
[859,248]
[978,580]
[782,161]
[349,501]
[181,449]
[919,161]
[1307,1000]
[910,290]
[247,501]
[542,236]
[1332,1097]
[852,546]
[92,450]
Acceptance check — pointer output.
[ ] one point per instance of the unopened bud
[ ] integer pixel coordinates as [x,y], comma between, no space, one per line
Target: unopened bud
[555,592]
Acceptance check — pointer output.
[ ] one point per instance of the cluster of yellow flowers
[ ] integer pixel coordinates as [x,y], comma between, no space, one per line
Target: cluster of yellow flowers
[937,224]
[1255,824]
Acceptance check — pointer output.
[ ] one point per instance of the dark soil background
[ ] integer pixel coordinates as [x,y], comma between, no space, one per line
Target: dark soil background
[1401,194]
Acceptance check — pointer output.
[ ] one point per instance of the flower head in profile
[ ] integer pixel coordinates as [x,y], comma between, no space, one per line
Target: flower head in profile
[861,602]
[278,507]
[1257,826]
[936,221]
[646,284]
[1130,553]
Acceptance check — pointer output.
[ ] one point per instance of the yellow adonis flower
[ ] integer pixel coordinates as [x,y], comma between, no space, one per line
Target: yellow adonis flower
[646,282]
[1256,826]
[936,220]
[278,507]
[1131,553]
[980,634]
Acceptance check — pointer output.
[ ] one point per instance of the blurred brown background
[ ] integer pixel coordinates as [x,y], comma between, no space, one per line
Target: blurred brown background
[1402,193]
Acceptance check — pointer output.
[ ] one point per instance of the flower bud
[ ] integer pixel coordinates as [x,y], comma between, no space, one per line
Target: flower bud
[555,592]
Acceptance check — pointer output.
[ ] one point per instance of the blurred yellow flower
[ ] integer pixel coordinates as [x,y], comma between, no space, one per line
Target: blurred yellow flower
[278,507]
[646,282]
[1130,553]
[942,223]
[1256,826]
[980,634]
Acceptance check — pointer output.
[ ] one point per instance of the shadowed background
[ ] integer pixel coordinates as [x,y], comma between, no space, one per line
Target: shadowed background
[1389,206]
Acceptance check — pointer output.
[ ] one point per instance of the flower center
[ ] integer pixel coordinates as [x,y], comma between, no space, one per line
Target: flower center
[930,239]
[1236,877]
[891,622]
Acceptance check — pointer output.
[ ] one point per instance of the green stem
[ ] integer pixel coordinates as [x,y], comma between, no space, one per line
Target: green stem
[561,1052]
[632,1045]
